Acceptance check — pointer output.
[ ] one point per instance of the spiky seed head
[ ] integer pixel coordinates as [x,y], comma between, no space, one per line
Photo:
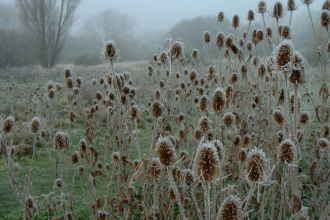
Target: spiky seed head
[235,49]
[241,43]
[198,134]
[155,170]
[292,103]
[204,124]
[286,32]
[242,155]
[262,7]
[69,82]
[326,129]
[235,22]
[230,209]
[325,18]
[255,61]
[280,136]
[163,57]
[110,50]
[220,40]
[278,10]
[81,170]
[188,177]
[108,167]
[194,54]
[228,119]
[59,183]
[250,16]
[83,145]
[261,70]
[287,152]
[8,124]
[203,102]
[326,5]
[220,149]
[29,202]
[207,37]
[182,134]
[206,163]
[75,157]
[260,35]
[322,143]
[269,32]
[61,141]
[134,111]
[254,36]
[221,16]
[249,46]
[229,41]
[177,50]
[305,117]
[183,155]
[218,100]
[291,6]
[278,116]
[165,150]
[115,157]
[256,167]
[157,108]
[284,54]
[35,124]
[157,94]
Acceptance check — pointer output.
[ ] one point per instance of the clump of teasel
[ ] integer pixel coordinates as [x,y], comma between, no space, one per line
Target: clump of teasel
[35,125]
[230,209]
[279,116]
[165,150]
[287,152]
[206,163]
[204,124]
[157,109]
[8,124]
[218,100]
[256,167]
[109,51]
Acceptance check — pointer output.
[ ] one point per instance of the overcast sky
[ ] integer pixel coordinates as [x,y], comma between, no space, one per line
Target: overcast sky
[160,14]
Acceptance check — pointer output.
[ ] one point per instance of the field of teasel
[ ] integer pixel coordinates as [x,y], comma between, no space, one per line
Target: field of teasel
[246,137]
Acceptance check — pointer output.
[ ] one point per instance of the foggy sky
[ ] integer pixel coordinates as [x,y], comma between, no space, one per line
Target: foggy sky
[162,15]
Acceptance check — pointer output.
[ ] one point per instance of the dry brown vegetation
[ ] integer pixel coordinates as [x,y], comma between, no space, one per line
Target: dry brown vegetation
[243,137]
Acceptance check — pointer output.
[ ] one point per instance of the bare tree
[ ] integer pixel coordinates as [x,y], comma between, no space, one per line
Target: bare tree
[49,23]
[111,24]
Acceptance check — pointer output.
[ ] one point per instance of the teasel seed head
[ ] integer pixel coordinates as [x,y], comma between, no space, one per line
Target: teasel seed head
[165,150]
[260,35]
[59,183]
[221,16]
[61,141]
[207,37]
[235,22]
[177,50]
[322,143]
[278,10]
[220,40]
[278,116]
[108,167]
[206,163]
[198,134]
[228,119]
[326,129]
[325,18]
[183,155]
[75,157]
[292,103]
[110,50]
[284,54]
[157,94]
[203,102]
[115,157]
[204,124]
[286,32]
[69,83]
[220,149]
[182,134]
[291,6]
[163,57]
[250,16]
[235,49]
[242,155]
[194,54]
[230,209]
[262,7]
[134,111]
[269,32]
[83,145]
[287,152]
[229,41]
[171,193]
[280,136]
[261,70]
[81,170]
[256,167]
[249,46]
[155,170]
[218,100]
[305,117]
[157,108]
[326,5]
[29,202]
[35,125]
[8,124]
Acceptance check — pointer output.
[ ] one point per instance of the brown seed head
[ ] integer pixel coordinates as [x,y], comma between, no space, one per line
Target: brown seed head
[269,32]
[204,124]
[322,143]
[287,152]
[155,170]
[165,150]
[250,16]
[230,209]
[177,50]
[110,51]
[69,83]
[305,117]
[203,102]
[284,54]
[198,134]
[75,157]
[256,167]
[261,70]
[228,119]
[325,18]
[157,108]
[278,10]
[218,100]
[58,183]
[235,22]
[194,54]
[291,6]
[326,5]
[260,35]
[262,7]
[207,37]
[221,16]
[286,32]
[220,40]
[35,125]
[61,141]
[279,116]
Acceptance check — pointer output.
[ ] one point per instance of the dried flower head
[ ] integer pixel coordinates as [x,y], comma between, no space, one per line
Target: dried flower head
[284,54]
[322,143]
[61,141]
[207,37]
[256,167]
[220,40]
[230,209]
[75,157]
[177,50]
[287,152]
[262,7]
[188,177]
[325,18]
[155,170]
[221,16]
[326,5]
[235,22]
[8,124]
[278,10]
[204,124]
[218,100]
[203,102]
[58,183]
[206,163]
[250,16]
[305,117]
[165,150]
[279,116]
[198,134]
[157,109]
[110,50]
[228,119]
[194,54]
[269,32]
[35,125]
[286,32]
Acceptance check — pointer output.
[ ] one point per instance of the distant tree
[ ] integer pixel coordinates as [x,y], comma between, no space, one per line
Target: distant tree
[49,24]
